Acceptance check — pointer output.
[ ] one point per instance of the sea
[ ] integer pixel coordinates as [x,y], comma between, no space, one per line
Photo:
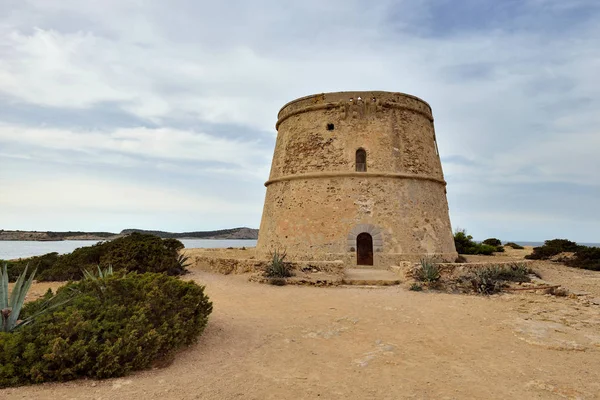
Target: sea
[10,249]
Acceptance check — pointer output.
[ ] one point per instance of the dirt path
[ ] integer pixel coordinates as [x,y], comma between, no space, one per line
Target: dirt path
[266,342]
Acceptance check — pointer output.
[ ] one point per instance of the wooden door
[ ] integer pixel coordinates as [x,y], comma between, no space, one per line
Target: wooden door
[364,249]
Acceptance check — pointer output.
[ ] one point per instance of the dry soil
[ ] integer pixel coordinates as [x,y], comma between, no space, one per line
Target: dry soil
[294,342]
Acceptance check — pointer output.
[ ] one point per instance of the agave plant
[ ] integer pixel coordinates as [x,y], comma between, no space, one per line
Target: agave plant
[102,273]
[182,260]
[98,280]
[10,306]
[278,268]
[428,271]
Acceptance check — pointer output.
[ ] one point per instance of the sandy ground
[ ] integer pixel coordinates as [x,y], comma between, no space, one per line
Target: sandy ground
[38,289]
[296,342]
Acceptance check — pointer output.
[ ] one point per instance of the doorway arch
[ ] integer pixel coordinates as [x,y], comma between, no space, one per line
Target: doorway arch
[364,249]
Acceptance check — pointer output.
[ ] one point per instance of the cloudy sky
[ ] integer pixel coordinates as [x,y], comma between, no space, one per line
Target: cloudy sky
[160,115]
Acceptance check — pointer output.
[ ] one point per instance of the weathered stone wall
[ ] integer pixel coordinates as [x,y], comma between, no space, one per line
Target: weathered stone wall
[316,203]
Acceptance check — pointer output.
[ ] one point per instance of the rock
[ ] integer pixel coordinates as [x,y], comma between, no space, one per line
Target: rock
[560,292]
[578,293]
[595,301]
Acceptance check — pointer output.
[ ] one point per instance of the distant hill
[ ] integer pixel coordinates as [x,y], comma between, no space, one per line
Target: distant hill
[49,236]
[235,233]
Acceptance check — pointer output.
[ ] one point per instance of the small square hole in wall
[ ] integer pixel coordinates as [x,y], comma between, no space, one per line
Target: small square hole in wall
[330,127]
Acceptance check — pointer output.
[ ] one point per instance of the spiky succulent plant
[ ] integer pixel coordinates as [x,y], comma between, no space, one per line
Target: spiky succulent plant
[278,268]
[428,271]
[10,306]
[102,273]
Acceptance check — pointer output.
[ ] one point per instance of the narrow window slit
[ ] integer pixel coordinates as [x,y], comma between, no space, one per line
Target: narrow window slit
[361,160]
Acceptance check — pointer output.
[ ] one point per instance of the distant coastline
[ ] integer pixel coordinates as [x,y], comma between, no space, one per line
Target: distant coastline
[536,244]
[50,236]
[242,233]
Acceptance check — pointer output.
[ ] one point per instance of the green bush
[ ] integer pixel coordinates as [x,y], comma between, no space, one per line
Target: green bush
[484,249]
[514,273]
[463,242]
[134,253]
[586,258]
[134,322]
[583,256]
[465,245]
[492,242]
[39,263]
[514,246]
[552,248]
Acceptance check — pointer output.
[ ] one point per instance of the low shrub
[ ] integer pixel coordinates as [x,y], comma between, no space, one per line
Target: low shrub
[465,245]
[485,249]
[583,256]
[491,279]
[135,322]
[515,273]
[496,243]
[39,263]
[428,271]
[134,253]
[485,281]
[492,242]
[171,244]
[551,248]
[415,287]
[514,246]
[278,268]
[586,258]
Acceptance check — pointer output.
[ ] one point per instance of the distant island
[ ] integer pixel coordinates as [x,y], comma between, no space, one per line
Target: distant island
[234,233]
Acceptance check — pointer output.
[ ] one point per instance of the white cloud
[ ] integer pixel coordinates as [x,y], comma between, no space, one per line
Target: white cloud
[159,143]
[92,193]
[520,104]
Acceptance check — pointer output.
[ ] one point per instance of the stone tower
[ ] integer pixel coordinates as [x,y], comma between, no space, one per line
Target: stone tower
[356,176]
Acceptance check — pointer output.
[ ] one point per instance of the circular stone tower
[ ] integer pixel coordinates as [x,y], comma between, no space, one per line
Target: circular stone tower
[356,176]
